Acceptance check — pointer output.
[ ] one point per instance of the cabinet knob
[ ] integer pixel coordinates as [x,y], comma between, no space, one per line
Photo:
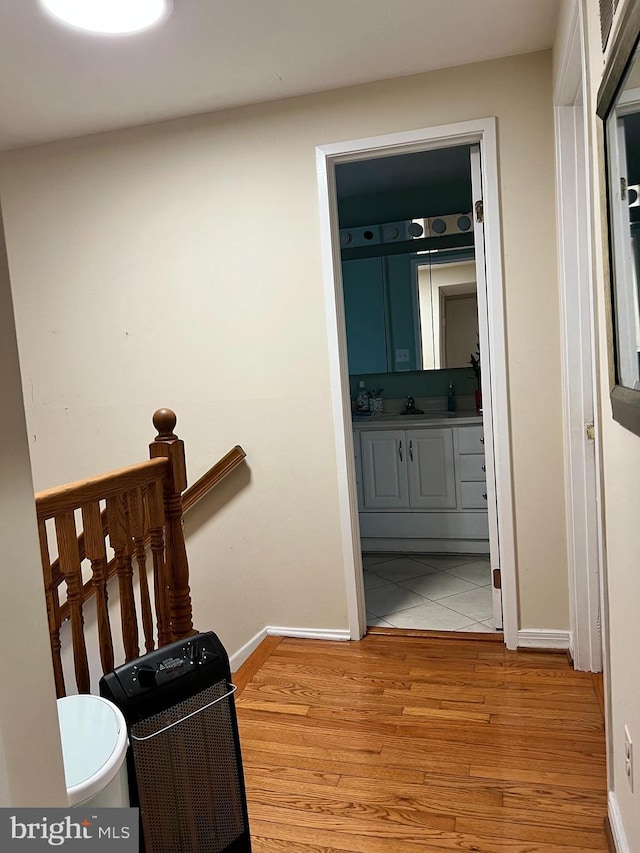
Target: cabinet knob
[484,496]
[484,467]
[482,440]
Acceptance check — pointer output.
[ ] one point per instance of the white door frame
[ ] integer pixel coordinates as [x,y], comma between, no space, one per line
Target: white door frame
[580,399]
[478,131]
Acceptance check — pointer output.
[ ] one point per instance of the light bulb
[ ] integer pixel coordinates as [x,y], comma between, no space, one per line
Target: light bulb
[109,17]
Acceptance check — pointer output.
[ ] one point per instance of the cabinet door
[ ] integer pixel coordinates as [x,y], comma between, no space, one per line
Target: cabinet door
[365,315]
[384,469]
[432,483]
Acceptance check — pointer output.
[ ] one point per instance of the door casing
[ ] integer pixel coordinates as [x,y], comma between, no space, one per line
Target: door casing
[480,132]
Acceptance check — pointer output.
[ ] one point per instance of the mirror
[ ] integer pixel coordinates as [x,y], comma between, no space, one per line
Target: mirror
[448,305]
[619,107]
[410,312]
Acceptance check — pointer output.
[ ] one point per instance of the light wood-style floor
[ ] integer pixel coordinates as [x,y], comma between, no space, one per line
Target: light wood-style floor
[406,745]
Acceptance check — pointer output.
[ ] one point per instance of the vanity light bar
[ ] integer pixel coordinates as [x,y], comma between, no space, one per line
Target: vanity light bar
[409,229]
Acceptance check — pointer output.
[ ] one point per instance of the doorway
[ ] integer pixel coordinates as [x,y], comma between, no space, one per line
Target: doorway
[409,280]
[480,134]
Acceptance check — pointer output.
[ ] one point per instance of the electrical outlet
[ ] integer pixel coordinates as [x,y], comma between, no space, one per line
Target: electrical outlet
[628,757]
[402,355]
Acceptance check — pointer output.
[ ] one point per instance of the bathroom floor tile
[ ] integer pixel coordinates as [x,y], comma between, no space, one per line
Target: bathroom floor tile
[372,581]
[428,616]
[437,585]
[477,603]
[478,572]
[369,560]
[385,599]
[442,562]
[401,569]
[480,628]
[377,622]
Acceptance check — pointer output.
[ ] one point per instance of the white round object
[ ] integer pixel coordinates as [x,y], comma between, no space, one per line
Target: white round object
[109,17]
[94,745]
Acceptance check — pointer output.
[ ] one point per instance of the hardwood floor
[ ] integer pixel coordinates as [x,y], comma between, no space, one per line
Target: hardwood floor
[407,745]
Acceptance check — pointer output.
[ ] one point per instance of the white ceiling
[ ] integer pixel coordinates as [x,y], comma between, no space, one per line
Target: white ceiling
[214,54]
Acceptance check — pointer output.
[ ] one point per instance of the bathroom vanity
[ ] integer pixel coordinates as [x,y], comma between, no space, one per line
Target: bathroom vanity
[422,483]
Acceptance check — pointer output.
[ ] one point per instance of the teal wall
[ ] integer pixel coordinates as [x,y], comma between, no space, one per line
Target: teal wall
[374,208]
[417,383]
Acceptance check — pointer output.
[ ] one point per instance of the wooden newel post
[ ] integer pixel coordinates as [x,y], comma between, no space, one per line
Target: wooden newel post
[167,444]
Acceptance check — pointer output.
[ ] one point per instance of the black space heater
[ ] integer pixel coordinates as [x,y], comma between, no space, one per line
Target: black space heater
[185,766]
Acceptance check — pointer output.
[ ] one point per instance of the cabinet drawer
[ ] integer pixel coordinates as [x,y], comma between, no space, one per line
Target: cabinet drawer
[471,440]
[473,495]
[472,467]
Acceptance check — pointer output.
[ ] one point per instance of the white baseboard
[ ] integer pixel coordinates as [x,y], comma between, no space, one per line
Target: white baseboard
[236,660]
[542,638]
[406,545]
[309,633]
[617,828]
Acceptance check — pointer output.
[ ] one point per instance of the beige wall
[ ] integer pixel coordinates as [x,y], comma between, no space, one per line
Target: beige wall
[179,264]
[31,772]
[621,475]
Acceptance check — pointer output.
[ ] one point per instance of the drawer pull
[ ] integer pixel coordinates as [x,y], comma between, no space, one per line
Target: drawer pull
[400,450]
[484,496]
[411,450]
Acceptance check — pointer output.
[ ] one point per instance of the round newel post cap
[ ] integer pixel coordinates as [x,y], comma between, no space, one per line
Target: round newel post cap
[164,420]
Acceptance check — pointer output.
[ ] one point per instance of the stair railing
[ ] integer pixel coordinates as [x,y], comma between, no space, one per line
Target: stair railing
[127,516]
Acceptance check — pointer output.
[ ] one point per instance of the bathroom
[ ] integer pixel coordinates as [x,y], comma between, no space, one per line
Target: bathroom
[409,271]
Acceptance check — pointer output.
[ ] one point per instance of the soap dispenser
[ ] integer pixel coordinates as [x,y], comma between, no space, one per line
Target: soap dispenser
[451,398]
[362,400]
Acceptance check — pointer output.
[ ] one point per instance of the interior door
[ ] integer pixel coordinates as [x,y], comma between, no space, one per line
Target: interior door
[483,338]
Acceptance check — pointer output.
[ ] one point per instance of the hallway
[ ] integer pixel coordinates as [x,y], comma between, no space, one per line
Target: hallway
[392,745]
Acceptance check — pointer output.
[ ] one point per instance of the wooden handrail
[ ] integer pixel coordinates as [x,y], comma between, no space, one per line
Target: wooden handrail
[66,498]
[214,475]
[222,468]
[143,507]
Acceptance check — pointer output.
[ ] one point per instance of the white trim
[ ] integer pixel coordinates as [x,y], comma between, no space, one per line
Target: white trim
[244,653]
[481,131]
[569,77]
[238,658]
[377,545]
[337,634]
[582,487]
[617,827]
[543,638]
[340,401]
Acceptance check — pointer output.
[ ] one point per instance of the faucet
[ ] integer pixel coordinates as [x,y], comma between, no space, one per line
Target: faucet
[410,408]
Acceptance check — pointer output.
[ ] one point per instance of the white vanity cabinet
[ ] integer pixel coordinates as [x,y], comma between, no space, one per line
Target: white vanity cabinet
[407,468]
[422,488]
[471,470]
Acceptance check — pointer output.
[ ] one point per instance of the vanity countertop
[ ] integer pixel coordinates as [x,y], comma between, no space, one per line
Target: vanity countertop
[396,420]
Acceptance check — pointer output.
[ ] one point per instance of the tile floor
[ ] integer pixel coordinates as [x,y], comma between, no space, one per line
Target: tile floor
[430,592]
